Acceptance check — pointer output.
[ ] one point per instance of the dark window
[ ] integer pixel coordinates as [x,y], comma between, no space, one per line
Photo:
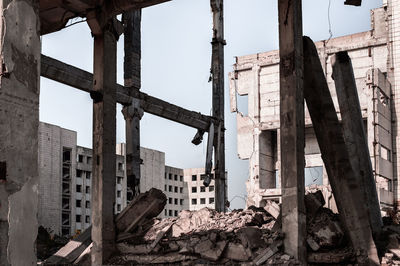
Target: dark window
[176,189]
[78,203]
[78,188]
[202,177]
[120,166]
[176,177]
[78,173]
[89,160]
[176,201]
[202,201]
[80,158]
[3,171]
[87,219]
[181,201]
[211,188]
[202,189]
[118,207]
[170,200]
[194,177]
[165,176]
[165,187]
[181,178]
[170,176]
[119,180]
[194,189]
[78,218]
[170,212]
[176,213]
[194,201]
[87,189]
[88,175]
[87,204]
[170,188]
[211,200]
[165,212]
[181,189]
[118,193]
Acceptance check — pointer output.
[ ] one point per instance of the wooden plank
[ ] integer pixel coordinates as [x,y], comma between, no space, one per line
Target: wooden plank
[292,127]
[345,185]
[104,138]
[132,113]
[217,70]
[83,80]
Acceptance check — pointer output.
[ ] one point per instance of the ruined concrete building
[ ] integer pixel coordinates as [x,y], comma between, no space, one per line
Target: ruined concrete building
[343,145]
[255,79]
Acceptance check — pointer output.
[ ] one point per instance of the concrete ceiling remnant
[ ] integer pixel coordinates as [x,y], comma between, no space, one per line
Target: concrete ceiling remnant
[54,14]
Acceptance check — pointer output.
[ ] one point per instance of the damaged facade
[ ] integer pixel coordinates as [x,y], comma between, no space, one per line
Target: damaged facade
[255,79]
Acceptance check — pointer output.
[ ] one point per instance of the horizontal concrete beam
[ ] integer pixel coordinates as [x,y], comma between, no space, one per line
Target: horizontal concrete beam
[83,80]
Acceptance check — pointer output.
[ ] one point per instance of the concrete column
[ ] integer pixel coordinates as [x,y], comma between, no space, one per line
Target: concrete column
[354,135]
[104,138]
[292,127]
[132,113]
[217,70]
[345,185]
[19,125]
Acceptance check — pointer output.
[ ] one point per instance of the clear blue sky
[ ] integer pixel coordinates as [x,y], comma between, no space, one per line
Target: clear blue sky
[176,56]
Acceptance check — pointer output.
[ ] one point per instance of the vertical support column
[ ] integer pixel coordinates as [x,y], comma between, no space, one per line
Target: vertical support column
[19,125]
[292,127]
[354,135]
[132,113]
[104,139]
[217,71]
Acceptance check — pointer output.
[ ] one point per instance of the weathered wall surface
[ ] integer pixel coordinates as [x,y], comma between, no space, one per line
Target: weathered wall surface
[19,121]
[257,77]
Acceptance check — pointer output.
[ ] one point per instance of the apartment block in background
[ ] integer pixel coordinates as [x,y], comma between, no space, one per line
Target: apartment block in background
[65,182]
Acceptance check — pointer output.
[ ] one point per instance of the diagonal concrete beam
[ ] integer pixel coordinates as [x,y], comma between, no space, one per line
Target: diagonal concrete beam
[346,187]
[83,80]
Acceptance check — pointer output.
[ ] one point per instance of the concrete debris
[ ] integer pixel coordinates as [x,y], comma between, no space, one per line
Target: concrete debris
[323,226]
[145,206]
[241,237]
[140,211]
[204,236]
[272,208]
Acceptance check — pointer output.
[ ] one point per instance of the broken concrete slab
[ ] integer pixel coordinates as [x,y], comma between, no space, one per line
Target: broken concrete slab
[209,250]
[236,252]
[272,208]
[268,252]
[146,205]
[72,250]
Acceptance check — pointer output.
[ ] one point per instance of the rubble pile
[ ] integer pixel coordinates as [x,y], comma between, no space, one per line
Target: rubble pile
[204,236]
[241,237]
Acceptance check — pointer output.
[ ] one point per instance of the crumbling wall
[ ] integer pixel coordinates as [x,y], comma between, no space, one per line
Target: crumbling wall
[19,119]
[258,77]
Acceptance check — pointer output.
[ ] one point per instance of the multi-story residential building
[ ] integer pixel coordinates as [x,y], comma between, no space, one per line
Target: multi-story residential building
[254,91]
[199,195]
[65,183]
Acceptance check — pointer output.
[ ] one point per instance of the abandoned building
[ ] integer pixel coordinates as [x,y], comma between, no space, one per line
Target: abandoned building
[65,182]
[256,79]
[303,79]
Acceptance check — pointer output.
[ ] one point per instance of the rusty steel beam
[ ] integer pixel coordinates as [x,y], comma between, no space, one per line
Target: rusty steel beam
[83,80]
